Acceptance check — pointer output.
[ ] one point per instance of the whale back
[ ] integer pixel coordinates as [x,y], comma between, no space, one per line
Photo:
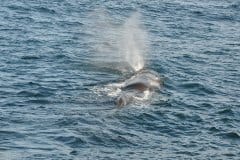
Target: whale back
[142,81]
[139,83]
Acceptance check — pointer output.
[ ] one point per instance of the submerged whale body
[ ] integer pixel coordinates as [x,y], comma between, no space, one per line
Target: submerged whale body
[142,82]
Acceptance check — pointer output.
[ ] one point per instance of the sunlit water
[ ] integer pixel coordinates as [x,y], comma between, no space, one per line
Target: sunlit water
[58,64]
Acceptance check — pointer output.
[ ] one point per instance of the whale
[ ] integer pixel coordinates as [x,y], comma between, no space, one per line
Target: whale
[143,81]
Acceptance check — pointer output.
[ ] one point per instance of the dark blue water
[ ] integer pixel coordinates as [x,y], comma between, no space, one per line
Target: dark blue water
[49,107]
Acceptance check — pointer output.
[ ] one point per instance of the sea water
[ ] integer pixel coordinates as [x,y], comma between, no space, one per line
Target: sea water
[54,54]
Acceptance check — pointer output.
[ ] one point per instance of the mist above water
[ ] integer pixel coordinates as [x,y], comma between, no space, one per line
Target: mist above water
[134,42]
[121,46]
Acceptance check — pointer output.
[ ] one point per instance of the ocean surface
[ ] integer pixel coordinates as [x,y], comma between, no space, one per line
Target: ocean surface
[58,56]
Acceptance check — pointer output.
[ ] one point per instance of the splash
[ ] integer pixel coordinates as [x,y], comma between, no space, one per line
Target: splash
[121,46]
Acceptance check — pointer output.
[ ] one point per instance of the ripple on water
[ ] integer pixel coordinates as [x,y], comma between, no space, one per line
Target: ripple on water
[18,7]
[48,109]
[232,135]
[30,57]
[197,88]
[227,112]
[44,10]
[74,141]
[6,134]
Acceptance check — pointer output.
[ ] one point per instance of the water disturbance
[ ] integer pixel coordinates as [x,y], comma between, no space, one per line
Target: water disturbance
[64,63]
